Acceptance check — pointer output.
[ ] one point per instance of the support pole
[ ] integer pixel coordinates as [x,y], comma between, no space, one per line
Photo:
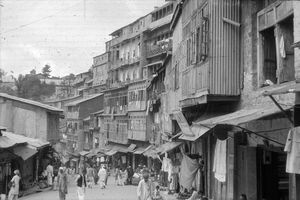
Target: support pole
[282,110]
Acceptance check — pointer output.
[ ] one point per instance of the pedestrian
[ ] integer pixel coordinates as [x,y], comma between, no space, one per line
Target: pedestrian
[50,175]
[124,176]
[90,176]
[130,175]
[107,173]
[102,177]
[15,184]
[145,188]
[81,184]
[117,176]
[62,184]
[96,177]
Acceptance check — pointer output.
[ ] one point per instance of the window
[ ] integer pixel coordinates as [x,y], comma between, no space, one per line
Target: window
[204,39]
[176,76]
[69,109]
[117,55]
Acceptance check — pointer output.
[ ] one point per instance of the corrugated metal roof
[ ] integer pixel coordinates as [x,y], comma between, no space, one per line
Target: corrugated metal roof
[141,150]
[75,103]
[32,142]
[290,87]
[60,100]
[31,102]
[242,116]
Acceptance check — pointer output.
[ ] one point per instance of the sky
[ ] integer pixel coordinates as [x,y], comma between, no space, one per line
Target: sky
[66,34]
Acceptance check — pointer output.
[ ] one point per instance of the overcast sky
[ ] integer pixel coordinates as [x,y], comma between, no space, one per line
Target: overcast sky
[61,32]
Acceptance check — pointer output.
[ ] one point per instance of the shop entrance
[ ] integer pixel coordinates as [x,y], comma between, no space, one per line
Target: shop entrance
[272,180]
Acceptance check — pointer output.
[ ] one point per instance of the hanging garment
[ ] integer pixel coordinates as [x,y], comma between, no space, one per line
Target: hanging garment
[219,167]
[282,48]
[292,147]
[189,168]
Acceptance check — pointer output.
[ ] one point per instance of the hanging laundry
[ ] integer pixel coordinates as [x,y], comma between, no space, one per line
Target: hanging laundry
[189,168]
[292,147]
[282,47]
[219,167]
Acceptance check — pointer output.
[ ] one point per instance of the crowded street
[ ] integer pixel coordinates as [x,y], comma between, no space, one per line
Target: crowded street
[111,192]
[149,100]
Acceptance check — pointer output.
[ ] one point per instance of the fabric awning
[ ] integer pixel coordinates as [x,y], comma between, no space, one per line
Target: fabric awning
[119,148]
[24,152]
[198,132]
[74,159]
[111,152]
[241,116]
[32,142]
[167,147]
[83,153]
[184,126]
[6,142]
[131,147]
[141,150]
[154,63]
[285,88]
[151,152]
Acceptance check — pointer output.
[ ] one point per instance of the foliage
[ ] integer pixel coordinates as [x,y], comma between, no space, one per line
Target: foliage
[46,71]
[30,87]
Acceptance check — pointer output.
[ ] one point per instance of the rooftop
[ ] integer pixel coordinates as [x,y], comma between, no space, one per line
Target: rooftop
[31,102]
[75,103]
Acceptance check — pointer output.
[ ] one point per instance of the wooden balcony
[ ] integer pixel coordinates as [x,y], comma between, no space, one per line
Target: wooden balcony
[118,133]
[160,48]
[137,135]
[137,105]
[195,80]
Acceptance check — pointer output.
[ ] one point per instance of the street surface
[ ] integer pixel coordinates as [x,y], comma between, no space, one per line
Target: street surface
[112,192]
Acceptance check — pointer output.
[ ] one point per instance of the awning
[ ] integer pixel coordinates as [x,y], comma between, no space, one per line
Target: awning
[184,126]
[6,142]
[32,142]
[83,153]
[119,148]
[141,150]
[241,116]
[151,151]
[198,132]
[111,152]
[285,88]
[24,152]
[154,63]
[169,146]
[131,147]
[74,159]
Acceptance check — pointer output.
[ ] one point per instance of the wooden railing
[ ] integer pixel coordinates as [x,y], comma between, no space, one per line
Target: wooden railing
[161,47]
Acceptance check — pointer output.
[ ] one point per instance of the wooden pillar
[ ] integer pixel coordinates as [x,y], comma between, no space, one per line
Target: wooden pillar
[37,167]
[231,166]
[297,123]
[133,161]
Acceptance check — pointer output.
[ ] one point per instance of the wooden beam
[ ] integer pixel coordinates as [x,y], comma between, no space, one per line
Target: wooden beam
[282,110]
[229,21]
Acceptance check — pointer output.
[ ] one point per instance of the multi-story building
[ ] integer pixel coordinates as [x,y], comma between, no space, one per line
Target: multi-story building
[225,55]
[100,72]
[136,51]
[78,134]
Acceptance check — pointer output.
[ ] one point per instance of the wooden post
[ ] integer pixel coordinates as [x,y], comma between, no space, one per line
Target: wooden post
[37,167]
[297,123]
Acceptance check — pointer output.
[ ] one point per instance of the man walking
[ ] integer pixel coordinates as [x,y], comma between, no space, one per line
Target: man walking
[145,188]
[62,184]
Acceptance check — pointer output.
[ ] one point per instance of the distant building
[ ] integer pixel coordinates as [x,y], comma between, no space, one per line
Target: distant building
[100,72]
[79,136]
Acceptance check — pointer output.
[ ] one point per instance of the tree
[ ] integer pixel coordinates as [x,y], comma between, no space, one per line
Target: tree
[46,71]
[33,72]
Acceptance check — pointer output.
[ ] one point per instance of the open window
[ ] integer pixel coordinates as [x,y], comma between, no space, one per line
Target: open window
[275,44]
